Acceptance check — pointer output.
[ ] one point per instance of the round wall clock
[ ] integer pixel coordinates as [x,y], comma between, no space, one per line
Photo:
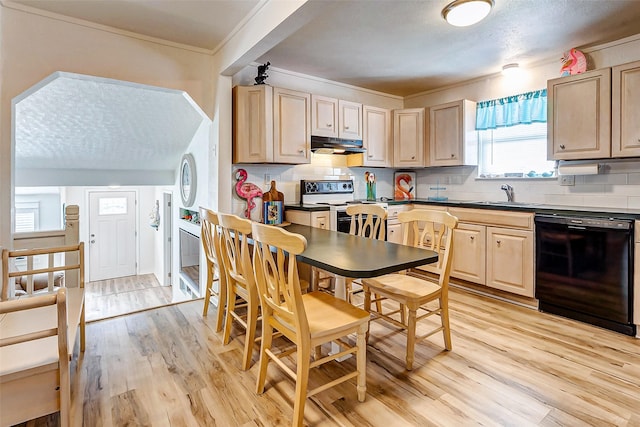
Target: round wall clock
[188,180]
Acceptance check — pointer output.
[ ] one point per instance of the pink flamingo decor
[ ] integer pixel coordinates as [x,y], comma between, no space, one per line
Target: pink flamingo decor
[246,190]
[404,187]
[573,62]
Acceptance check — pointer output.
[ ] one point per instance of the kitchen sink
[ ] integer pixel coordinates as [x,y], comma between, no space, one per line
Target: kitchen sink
[504,203]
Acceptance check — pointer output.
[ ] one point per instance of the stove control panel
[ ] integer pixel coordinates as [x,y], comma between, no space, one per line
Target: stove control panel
[326,186]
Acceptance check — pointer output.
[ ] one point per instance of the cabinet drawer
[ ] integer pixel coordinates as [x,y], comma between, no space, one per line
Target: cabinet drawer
[490,217]
[393,211]
[298,217]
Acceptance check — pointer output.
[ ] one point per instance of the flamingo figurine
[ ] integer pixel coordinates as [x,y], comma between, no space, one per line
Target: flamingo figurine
[573,62]
[403,187]
[246,190]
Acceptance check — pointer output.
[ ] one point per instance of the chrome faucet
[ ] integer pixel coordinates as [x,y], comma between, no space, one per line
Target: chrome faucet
[509,190]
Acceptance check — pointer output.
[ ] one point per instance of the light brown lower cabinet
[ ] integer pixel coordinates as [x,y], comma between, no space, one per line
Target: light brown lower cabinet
[494,248]
[317,219]
[510,260]
[469,254]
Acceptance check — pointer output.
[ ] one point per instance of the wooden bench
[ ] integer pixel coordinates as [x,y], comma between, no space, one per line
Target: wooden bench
[37,338]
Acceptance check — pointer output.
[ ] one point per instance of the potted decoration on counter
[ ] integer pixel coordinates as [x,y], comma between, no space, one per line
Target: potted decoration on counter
[370,179]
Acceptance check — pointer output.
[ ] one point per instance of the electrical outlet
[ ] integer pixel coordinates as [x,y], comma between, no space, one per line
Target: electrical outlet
[267,178]
[567,179]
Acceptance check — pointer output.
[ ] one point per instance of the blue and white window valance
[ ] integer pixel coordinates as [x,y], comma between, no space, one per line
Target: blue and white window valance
[526,108]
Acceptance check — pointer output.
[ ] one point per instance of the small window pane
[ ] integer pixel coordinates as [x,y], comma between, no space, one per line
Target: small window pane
[112,206]
[25,222]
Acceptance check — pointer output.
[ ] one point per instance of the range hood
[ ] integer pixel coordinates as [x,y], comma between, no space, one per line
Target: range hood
[328,145]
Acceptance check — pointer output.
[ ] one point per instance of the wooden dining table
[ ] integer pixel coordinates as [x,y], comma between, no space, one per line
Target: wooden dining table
[356,257]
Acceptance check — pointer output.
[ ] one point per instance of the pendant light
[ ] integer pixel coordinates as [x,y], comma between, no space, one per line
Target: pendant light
[462,13]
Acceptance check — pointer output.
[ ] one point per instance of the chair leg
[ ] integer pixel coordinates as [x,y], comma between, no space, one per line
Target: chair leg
[267,337]
[361,362]
[231,306]
[83,323]
[250,333]
[222,302]
[207,294]
[444,317]
[411,337]
[367,305]
[302,382]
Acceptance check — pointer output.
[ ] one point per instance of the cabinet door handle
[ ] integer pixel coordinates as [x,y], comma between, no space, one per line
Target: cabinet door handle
[346,127]
[413,157]
[301,150]
[472,237]
[452,156]
[498,242]
[562,146]
[370,155]
[329,125]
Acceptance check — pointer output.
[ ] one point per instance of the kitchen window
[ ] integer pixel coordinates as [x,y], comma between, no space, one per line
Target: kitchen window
[515,151]
[512,137]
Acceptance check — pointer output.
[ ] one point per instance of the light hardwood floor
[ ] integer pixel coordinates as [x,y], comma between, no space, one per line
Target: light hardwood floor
[510,366]
[123,295]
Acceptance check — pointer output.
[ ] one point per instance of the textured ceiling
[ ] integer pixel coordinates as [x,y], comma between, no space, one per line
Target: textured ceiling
[398,47]
[72,121]
[405,47]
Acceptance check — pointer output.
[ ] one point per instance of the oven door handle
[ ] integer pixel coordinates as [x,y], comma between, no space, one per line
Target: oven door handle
[575,227]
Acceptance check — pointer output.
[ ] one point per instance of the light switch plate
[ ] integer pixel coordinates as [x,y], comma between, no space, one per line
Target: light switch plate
[567,179]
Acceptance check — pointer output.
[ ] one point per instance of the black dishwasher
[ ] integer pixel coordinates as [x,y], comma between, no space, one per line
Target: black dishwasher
[584,269]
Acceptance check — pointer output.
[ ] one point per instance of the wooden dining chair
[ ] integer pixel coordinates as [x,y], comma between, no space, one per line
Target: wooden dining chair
[367,220]
[240,281]
[211,236]
[430,230]
[307,320]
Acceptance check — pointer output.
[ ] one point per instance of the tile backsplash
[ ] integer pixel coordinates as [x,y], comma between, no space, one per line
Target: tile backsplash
[616,186]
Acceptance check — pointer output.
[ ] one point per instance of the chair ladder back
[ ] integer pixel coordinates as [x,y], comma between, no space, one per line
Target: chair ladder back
[367,220]
[277,272]
[430,230]
[235,245]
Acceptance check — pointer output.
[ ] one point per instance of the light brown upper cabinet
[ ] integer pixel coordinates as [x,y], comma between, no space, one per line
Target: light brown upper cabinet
[579,116]
[625,110]
[336,118]
[376,136]
[408,137]
[324,116]
[271,125]
[452,136]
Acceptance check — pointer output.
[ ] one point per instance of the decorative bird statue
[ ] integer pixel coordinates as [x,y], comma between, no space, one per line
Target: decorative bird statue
[403,187]
[573,62]
[247,190]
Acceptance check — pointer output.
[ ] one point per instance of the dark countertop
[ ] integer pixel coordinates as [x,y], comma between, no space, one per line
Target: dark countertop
[357,257]
[503,206]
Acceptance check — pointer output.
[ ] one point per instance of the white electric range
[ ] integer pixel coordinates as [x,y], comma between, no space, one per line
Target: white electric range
[336,194]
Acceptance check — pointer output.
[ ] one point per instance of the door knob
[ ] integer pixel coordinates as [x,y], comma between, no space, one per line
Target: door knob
[93,241]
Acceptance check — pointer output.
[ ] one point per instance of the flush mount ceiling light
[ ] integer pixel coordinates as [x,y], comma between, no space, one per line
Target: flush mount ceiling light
[462,13]
[510,70]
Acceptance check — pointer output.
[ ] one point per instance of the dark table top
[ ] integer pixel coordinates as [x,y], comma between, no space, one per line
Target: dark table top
[357,257]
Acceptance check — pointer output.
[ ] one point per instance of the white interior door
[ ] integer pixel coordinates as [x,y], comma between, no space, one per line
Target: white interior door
[112,234]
